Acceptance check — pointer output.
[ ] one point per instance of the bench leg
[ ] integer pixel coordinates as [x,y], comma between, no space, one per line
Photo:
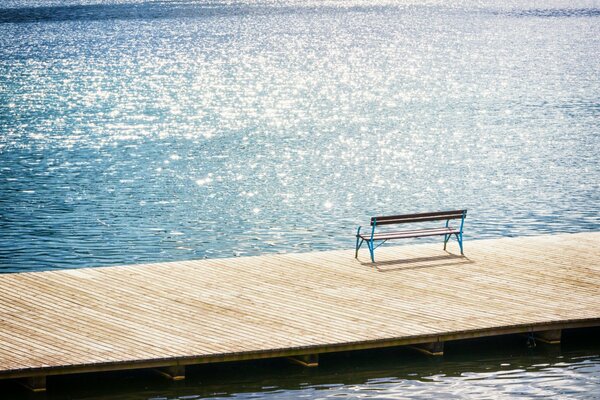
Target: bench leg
[371,245]
[458,238]
[358,246]
[460,244]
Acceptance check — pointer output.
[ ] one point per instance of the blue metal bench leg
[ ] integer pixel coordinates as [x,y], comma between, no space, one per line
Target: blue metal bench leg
[357,242]
[370,244]
[446,237]
[358,245]
[460,239]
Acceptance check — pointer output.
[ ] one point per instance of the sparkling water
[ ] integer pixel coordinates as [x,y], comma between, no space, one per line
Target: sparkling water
[150,131]
[141,131]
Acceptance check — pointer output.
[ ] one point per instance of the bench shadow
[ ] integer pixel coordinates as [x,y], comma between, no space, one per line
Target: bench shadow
[448,259]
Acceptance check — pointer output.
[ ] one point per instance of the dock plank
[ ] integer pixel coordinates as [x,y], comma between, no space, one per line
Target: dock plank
[283,304]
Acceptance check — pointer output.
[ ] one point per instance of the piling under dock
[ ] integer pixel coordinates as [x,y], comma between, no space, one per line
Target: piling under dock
[169,315]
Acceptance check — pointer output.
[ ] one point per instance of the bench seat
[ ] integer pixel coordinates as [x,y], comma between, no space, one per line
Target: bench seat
[410,234]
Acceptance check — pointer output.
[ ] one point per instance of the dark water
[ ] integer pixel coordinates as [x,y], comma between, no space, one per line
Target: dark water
[138,131]
[498,368]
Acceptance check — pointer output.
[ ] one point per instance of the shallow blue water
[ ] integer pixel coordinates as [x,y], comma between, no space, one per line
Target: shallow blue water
[148,131]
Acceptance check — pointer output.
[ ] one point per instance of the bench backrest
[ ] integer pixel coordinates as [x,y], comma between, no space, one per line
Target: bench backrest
[422,217]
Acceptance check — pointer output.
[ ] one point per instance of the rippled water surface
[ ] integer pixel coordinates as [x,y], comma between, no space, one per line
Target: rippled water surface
[502,368]
[139,131]
[136,131]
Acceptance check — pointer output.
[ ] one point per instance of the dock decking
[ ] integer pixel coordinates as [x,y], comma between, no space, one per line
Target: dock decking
[180,313]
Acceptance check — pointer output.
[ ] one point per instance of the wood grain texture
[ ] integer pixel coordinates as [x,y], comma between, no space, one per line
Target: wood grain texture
[179,313]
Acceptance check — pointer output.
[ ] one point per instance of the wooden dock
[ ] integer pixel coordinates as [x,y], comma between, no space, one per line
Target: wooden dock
[169,315]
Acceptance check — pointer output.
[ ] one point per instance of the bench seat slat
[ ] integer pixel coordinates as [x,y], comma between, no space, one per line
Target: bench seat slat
[416,219]
[440,214]
[409,234]
[422,217]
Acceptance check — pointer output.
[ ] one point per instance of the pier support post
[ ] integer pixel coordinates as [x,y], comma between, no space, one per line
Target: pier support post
[551,337]
[307,360]
[36,384]
[431,349]
[174,372]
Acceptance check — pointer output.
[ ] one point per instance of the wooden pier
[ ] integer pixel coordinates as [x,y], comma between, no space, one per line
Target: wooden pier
[169,315]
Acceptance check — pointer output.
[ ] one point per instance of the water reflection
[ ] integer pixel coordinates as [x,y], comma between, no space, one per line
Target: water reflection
[486,368]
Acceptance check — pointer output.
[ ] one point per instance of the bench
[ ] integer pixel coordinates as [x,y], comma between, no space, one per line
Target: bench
[447,231]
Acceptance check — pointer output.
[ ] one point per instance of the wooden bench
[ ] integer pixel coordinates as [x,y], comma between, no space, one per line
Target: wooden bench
[447,231]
